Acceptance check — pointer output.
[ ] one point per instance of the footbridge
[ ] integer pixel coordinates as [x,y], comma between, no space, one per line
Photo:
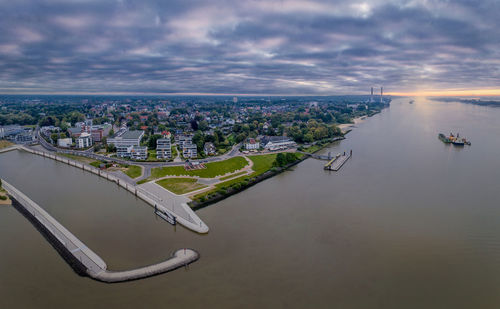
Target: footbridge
[82,259]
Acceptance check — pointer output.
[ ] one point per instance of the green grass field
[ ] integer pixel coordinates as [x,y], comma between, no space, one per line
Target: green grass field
[233,175]
[174,151]
[133,171]
[313,148]
[180,185]
[213,169]
[262,164]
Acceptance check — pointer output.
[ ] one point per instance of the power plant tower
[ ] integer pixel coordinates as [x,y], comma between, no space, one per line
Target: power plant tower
[371,96]
[381,93]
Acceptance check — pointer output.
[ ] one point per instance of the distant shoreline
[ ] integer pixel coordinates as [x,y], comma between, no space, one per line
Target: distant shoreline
[492,103]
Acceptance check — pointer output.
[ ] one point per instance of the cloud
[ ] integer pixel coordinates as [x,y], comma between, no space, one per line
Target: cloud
[249,46]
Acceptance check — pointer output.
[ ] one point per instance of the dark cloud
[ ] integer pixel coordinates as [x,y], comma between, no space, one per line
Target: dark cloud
[255,46]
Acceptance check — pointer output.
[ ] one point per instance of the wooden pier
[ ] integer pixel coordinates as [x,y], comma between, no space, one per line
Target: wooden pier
[336,163]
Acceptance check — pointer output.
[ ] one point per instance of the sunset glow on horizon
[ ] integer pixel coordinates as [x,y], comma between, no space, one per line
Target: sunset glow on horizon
[449,93]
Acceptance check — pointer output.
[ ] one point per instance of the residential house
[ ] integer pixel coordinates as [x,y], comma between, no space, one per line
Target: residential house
[209,149]
[252,144]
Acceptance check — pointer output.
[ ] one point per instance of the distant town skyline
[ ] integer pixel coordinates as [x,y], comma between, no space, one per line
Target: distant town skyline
[288,47]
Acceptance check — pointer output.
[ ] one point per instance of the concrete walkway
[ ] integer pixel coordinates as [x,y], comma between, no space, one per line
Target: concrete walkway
[186,215]
[96,268]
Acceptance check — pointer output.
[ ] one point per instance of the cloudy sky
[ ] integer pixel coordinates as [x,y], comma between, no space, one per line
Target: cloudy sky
[248,47]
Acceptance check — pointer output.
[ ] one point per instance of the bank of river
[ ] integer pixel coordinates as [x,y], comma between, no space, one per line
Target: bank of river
[408,222]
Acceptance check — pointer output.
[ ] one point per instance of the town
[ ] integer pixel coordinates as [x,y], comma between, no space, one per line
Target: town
[178,128]
[199,149]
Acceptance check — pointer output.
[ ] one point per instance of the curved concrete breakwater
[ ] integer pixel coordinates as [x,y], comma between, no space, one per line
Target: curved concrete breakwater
[183,214]
[83,259]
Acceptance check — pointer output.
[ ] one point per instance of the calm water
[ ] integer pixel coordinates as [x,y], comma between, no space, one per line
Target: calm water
[407,223]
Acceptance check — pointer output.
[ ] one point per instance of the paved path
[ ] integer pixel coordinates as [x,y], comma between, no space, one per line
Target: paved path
[96,268]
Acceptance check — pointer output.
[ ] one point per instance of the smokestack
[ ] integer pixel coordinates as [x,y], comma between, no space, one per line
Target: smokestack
[381,93]
[371,96]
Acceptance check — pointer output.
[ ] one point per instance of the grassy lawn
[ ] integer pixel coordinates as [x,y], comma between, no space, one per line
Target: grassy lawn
[262,164]
[212,169]
[5,144]
[313,148]
[233,175]
[225,184]
[80,159]
[133,171]
[180,185]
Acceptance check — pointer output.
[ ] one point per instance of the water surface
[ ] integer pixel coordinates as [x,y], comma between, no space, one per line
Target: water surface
[408,222]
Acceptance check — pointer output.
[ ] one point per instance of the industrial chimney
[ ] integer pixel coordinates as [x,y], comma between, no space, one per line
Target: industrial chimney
[381,93]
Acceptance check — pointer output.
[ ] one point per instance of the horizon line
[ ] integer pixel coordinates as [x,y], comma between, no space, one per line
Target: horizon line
[422,93]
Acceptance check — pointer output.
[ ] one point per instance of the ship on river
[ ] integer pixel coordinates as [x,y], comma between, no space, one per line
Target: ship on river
[455,140]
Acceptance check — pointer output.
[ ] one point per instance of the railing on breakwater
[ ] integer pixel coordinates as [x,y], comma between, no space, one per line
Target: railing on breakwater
[94,266]
[191,220]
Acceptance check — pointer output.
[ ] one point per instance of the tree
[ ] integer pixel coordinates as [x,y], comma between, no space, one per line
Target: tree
[199,140]
[280,160]
[240,137]
[308,138]
[152,141]
[54,137]
[110,148]
[203,125]
[194,125]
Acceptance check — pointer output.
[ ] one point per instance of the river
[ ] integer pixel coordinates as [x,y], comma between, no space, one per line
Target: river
[408,222]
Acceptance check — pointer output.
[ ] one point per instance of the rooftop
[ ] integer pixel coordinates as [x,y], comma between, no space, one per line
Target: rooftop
[132,134]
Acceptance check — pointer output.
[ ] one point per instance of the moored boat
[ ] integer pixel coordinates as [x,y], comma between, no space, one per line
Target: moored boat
[455,140]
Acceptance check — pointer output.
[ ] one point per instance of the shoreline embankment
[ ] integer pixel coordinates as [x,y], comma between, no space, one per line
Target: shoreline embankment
[192,221]
[79,257]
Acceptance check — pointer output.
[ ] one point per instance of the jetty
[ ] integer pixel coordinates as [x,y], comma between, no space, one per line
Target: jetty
[181,214]
[336,163]
[81,258]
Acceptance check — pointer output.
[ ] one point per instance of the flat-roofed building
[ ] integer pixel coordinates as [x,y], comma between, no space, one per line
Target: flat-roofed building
[163,148]
[277,142]
[127,138]
[139,152]
[189,150]
[123,151]
[84,140]
[65,142]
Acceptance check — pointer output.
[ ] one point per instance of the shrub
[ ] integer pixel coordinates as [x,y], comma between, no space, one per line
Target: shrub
[3,197]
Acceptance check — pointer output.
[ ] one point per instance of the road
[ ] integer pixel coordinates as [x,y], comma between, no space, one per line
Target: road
[146,165]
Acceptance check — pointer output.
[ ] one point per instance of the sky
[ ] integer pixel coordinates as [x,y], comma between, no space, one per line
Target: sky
[284,47]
